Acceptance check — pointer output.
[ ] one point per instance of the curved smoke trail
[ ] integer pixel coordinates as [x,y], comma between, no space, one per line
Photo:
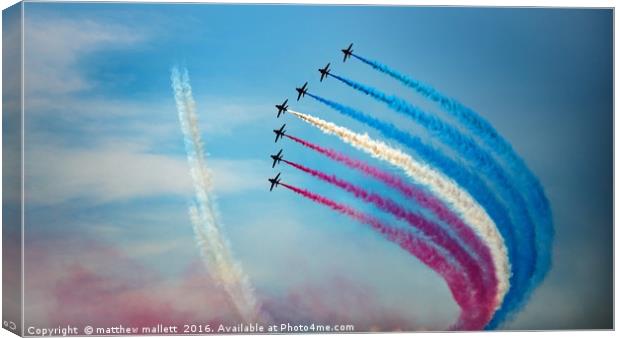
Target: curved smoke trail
[520,243]
[415,244]
[480,127]
[478,158]
[479,289]
[214,248]
[442,186]
[427,201]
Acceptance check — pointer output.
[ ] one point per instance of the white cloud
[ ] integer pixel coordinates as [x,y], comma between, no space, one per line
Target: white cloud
[55,174]
[54,45]
[121,171]
[217,116]
[228,113]
[54,48]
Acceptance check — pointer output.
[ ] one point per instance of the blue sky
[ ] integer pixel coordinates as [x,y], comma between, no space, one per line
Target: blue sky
[105,157]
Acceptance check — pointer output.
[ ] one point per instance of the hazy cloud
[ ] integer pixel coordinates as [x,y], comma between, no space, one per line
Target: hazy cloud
[120,171]
[54,45]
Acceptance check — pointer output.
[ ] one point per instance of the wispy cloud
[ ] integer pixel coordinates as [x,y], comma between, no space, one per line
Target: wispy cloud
[103,148]
[54,45]
[219,116]
[228,113]
[121,170]
[107,173]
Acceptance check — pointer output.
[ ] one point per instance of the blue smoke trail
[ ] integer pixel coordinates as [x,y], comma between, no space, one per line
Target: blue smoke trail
[480,127]
[520,249]
[500,146]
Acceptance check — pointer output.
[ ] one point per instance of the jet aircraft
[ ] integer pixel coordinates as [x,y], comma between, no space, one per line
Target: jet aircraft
[347,52]
[274,181]
[276,158]
[301,92]
[279,132]
[282,108]
[324,72]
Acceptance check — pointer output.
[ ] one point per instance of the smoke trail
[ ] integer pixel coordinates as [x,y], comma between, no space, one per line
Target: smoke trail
[214,248]
[414,244]
[430,229]
[480,127]
[442,186]
[484,162]
[478,158]
[523,267]
[466,147]
[425,200]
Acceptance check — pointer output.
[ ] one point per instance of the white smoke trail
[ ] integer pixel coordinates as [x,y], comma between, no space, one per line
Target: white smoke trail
[442,186]
[214,248]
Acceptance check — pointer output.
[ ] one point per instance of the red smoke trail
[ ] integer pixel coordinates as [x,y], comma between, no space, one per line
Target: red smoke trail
[469,319]
[425,200]
[430,229]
